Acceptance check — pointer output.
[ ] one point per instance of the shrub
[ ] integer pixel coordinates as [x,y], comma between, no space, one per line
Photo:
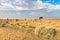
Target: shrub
[3,25]
[18,24]
[40,17]
[17,19]
[45,32]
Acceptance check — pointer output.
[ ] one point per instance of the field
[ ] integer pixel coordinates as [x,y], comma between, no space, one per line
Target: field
[24,29]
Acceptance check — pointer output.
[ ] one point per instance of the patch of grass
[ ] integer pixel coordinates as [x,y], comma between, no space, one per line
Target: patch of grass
[45,32]
[23,26]
[4,25]
[17,19]
[18,24]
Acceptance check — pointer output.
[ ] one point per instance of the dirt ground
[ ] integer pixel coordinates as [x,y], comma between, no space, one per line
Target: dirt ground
[24,29]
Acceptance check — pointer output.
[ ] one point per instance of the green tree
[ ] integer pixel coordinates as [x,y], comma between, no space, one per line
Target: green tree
[40,17]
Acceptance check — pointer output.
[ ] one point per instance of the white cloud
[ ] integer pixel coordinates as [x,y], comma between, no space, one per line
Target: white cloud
[42,9]
[53,7]
[5,8]
[19,15]
[28,5]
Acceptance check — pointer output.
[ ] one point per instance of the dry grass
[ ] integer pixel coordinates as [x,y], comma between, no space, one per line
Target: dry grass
[43,31]
[24,29]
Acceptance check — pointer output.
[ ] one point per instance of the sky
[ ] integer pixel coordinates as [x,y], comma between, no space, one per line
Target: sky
[29,9]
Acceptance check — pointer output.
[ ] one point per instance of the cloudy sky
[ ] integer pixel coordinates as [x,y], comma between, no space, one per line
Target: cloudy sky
[29,9]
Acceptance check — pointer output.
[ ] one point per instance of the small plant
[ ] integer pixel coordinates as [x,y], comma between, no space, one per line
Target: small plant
[18,24]
[30,26]
[23,26]
[6,21]
[45,32]
[35,19]
[3,25]
[17,19]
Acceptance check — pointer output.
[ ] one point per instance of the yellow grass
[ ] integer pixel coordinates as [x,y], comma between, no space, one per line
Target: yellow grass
[24,29]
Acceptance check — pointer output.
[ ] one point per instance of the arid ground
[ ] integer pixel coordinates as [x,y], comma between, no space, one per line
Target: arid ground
[24,29]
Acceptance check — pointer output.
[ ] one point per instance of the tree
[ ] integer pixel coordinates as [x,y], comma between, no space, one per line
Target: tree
[40,17]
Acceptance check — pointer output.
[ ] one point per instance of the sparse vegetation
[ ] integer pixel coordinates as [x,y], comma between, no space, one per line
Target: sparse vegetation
[17,19]
[18,24]
[3,25]
[29,29]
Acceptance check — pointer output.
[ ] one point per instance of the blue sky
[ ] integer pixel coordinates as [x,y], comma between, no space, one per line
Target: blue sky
[30,9]
[55,2]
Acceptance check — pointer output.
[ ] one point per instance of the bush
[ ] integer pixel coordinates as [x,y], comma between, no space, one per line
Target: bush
[40,17]
[3,25]
[45,32]
[17,19]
